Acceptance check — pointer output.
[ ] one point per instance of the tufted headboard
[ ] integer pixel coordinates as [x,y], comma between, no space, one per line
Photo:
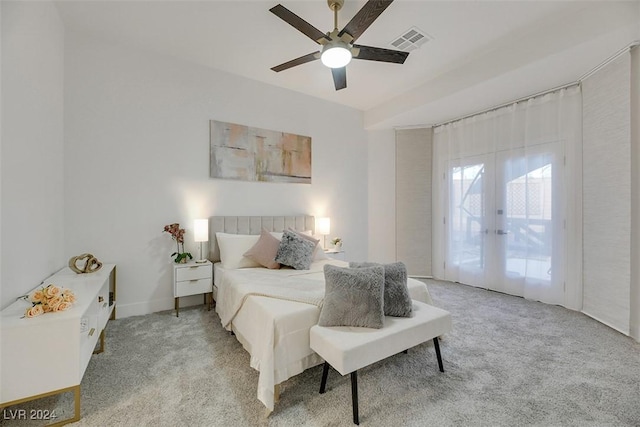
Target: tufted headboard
[253,225]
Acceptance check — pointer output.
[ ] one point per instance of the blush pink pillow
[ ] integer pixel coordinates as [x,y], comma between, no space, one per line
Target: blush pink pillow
[265,250]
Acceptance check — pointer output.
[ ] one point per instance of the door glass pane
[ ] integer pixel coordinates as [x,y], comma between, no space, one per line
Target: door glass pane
[528,215]
[466,228]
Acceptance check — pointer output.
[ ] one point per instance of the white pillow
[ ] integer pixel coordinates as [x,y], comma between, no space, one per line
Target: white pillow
[232,249]
[318,253]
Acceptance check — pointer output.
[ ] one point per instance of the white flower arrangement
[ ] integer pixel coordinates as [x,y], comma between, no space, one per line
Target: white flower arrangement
[49,299]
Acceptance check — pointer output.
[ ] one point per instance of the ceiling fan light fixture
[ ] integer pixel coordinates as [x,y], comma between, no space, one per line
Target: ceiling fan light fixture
[336,55]
[338,46]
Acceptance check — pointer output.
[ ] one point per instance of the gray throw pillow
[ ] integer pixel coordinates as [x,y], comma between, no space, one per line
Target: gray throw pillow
[353,297]
[295,251]
[397,301]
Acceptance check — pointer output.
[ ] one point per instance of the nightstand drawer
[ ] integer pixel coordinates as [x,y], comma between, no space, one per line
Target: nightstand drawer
[193,272]
[192,279]
[193,287]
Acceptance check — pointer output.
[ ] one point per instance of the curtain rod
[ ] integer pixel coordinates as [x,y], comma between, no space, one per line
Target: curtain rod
[608,60]
[524,98]
[497,107]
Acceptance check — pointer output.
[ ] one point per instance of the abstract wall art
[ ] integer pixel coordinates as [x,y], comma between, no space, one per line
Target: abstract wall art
[252,154]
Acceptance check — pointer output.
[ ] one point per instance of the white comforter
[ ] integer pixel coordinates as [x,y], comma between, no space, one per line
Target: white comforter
[306,286]
[271,312]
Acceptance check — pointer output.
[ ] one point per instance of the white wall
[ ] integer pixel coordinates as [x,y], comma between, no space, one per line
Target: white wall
[31,213]
[382,196]
[137,144]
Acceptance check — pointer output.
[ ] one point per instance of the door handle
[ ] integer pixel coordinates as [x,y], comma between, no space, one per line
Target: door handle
[501,232]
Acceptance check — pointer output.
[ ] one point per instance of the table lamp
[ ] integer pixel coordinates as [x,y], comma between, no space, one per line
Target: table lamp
[201,234]
[323,227]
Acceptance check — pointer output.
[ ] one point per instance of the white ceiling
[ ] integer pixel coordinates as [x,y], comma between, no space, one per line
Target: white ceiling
[482,52]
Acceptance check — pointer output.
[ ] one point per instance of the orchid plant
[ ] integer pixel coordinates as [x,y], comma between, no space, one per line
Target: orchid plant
[177,234]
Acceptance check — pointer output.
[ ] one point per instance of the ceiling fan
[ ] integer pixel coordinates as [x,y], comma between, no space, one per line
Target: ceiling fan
[337,46]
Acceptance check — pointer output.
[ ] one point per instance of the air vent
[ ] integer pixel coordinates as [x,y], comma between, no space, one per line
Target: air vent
[411,39]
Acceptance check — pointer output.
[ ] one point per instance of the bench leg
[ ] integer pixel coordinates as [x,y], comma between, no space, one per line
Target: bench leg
[276,393]
[437,346]
[354,396]
[325,373]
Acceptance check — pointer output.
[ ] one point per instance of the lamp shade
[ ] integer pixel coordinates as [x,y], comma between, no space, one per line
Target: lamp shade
[336,55]
[201,230]
[323,225]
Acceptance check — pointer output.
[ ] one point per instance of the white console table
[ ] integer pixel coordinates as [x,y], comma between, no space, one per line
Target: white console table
[48,354]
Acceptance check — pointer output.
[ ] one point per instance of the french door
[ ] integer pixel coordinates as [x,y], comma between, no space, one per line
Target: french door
[504,224]
[468,221]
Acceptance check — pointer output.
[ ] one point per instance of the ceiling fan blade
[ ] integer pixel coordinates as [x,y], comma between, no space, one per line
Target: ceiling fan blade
[298,61]
[365,17]
[380,54]
[339,77]
[298,23]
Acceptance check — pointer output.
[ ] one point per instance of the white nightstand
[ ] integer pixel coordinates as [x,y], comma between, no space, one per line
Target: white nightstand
[191,279]
[332,253]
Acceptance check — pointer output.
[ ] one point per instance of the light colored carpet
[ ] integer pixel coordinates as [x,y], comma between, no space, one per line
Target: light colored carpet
[508,362]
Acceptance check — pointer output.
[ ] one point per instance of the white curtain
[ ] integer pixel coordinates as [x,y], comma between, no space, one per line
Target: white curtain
[607,194]
[414,150]
[505,215]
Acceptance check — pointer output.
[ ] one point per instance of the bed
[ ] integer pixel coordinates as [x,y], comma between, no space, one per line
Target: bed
[271,311]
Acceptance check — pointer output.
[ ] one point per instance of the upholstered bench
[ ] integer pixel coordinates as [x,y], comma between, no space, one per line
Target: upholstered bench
[348,349]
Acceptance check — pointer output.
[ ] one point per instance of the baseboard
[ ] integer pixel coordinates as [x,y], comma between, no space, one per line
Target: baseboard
[153,306]
[635,332]
[622,331]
